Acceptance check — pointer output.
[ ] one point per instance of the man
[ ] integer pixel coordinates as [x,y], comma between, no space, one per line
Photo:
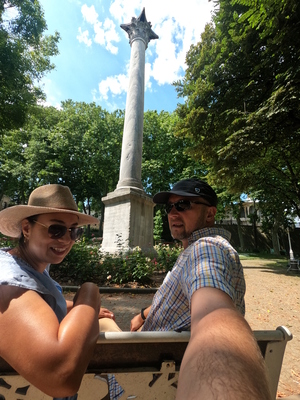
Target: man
[204,293]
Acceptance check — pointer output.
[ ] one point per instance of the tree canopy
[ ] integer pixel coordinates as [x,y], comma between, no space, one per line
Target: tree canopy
[80,146]
[24,58]
[165,156]
[241,91]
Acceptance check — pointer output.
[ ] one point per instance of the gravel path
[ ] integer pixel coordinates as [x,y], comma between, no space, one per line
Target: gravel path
[273,299]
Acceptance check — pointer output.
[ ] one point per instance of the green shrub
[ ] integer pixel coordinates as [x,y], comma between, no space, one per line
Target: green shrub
[86,262]
[7,242]
[158,226]
[82,264]
[166,256]
[133,266]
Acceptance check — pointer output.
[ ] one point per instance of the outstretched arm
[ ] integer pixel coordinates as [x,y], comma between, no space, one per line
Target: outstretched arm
[222,359]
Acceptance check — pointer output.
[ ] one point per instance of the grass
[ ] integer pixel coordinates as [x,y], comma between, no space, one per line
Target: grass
[263,256]
[274,260]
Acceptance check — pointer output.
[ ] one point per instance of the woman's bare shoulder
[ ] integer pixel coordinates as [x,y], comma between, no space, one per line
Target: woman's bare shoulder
[8,293]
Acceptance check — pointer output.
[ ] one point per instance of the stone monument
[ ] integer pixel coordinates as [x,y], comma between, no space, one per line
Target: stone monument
[128,217]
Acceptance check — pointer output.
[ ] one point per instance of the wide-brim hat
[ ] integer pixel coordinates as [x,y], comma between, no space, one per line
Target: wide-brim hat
[43,200]
[189,188]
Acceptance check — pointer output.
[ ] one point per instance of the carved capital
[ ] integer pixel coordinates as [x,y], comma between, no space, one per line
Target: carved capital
[139,28]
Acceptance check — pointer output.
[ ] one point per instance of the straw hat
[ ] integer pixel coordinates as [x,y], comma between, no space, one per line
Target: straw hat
[43,200]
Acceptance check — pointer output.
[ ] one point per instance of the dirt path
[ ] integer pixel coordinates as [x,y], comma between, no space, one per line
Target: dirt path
[272,299]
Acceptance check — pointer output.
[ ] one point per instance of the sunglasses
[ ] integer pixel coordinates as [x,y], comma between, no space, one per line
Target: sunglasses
[58,231]
[183,205]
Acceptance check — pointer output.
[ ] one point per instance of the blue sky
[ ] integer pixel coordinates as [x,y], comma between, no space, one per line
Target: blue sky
[93,63]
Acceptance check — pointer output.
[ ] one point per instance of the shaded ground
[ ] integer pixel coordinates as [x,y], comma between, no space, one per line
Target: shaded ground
[272,299]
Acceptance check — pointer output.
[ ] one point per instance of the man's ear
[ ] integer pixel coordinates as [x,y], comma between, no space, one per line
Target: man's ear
[211,213]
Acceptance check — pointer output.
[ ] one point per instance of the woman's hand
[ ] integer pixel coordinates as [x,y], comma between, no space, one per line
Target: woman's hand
[105,313]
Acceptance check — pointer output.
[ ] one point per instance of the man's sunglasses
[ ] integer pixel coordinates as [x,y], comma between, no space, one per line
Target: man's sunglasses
[183,205]
[58,231]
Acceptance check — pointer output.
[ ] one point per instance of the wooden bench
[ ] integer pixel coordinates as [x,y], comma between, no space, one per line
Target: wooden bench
[146,364]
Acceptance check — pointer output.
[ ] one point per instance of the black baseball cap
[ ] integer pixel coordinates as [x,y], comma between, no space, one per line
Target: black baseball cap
[189,188]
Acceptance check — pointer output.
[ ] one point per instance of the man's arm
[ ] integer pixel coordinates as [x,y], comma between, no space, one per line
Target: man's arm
[138,321]
[222,360]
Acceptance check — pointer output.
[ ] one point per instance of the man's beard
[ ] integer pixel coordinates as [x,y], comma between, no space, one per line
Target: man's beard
[181,235]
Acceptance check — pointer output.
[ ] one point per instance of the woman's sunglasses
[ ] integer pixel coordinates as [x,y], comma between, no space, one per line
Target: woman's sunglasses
[58,231]
[183,205]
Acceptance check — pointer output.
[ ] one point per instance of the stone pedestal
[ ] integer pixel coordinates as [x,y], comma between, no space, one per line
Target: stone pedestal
[128,221]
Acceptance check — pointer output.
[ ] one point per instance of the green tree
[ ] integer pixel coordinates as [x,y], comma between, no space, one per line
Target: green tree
[78,146]
[158,226]
[13,172]
[242,108]
[24,59]
[165,157]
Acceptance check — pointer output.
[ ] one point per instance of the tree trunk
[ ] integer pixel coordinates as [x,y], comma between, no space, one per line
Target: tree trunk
[240,233]
[101,220]
[275,243]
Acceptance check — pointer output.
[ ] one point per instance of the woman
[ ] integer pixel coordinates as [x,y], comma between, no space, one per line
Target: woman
[52,341]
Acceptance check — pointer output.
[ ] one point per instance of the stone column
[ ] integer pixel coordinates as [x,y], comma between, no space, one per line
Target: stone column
[128,218]
[140,34]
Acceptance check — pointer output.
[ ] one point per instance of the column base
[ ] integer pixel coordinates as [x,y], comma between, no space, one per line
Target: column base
[128,221]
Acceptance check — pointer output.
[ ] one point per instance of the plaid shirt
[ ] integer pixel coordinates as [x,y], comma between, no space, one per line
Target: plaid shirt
[208,261]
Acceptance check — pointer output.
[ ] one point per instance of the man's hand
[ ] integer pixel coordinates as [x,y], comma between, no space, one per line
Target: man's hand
[138,321]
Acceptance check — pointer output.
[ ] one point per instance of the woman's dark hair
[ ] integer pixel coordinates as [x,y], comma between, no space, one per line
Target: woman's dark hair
[22,238]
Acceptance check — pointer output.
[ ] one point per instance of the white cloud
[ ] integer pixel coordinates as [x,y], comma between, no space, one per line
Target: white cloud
[115,84]
[123,10]
[99,34]
[178,27]
[111,48]
[83,37]
[49,104]
[110,31]
[89,14]
[105,33]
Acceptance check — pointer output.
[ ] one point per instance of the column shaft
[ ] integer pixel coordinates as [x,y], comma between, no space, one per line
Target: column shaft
[131,157]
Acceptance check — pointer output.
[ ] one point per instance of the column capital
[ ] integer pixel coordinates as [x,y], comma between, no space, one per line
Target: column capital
[139,28]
